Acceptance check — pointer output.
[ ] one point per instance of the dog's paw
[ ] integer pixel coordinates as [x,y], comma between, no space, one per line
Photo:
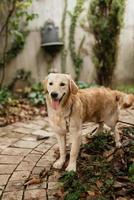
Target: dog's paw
[71,167]
[58,164]
[118,144]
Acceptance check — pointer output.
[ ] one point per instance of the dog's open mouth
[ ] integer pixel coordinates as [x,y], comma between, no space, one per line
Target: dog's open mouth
[56,102]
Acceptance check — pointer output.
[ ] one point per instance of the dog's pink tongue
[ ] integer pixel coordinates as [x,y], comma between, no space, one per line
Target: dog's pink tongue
[55,104]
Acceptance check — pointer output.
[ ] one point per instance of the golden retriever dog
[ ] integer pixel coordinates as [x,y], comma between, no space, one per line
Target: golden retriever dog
[69,107]
[124,100]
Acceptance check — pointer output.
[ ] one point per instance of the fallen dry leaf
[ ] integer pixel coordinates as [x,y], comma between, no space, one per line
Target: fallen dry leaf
[91,193]
[43,173]
[106,154]
[99,183]
[33,181]
[110,158]
[123,178]
[118,184]
[121,198]
[40,137]
[60,194]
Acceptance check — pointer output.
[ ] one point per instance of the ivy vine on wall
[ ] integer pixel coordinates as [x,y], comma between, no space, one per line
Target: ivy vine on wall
[105,19]
[64,51]
[14,19]
[75,56]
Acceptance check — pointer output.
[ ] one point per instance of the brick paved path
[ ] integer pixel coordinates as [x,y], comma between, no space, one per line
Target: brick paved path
[23,156]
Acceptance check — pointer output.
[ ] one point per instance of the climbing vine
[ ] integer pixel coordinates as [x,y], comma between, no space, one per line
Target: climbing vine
[76,57]
[14,20]
[105,19]
[64,51]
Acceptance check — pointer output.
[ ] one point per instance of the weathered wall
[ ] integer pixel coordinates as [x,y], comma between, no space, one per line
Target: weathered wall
[124,72]
[34,59]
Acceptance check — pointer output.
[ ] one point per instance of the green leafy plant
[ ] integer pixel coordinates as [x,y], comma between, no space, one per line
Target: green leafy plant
[105,19]
[72,185]
[131,172]
[107,184]
[37,95]
[100,143]
[128,130]
[5,95]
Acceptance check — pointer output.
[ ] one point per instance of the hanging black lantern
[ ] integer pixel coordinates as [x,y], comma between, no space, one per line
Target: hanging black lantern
[50,38]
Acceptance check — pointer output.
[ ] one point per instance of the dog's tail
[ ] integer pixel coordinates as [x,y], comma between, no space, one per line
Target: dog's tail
[124,100]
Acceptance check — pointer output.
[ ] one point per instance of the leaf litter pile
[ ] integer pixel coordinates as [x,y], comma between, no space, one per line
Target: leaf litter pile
[103,171]
[19,110]
[21,102]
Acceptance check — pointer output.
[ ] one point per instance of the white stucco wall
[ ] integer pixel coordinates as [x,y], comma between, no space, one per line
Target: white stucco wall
[124,72]
[34,59]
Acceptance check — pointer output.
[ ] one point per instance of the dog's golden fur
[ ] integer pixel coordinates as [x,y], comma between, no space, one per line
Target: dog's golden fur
[124,100]
[74,107]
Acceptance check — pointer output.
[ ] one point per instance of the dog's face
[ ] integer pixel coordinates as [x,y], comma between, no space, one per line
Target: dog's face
[59,86]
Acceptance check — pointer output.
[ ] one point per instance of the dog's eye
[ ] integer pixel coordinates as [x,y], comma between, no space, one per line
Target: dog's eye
[51,83]
[62,84]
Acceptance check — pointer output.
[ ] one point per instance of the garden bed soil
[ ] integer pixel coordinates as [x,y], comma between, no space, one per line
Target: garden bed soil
[103,171]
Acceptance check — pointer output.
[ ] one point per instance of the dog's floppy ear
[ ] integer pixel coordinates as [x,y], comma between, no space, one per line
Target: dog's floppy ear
[44,82]
[73,87]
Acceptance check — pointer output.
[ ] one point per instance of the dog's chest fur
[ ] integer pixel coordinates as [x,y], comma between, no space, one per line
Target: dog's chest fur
[59,120]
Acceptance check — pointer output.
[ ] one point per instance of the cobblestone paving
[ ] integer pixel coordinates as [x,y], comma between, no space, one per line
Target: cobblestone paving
[22,156]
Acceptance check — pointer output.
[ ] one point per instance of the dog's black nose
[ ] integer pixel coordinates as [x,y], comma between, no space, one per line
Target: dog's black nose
[54,95]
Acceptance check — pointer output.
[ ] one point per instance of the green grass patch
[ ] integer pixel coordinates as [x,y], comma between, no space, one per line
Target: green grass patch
[126,88]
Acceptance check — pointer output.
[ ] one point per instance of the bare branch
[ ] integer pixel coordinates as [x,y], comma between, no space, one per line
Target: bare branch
[6,28]
[8,17]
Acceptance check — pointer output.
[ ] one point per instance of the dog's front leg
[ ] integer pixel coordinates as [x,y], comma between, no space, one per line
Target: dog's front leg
[117,137]
[62,148]
[76,141]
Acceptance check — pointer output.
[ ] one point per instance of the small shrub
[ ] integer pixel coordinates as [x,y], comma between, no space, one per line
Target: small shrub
[105,19]
[4,95]
[37,95]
